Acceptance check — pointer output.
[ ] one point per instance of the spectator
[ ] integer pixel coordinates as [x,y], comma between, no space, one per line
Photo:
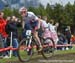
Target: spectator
[73,38]
[44,31]
[44,25]
[62,40]
[8,18]
[68,34]
[53,31]
[56,26]
[12,26]
[3,34]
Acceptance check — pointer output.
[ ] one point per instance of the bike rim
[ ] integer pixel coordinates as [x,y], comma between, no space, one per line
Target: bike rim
[48,50]
[24,53]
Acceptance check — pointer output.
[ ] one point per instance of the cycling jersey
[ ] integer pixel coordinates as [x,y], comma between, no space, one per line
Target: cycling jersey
[46,33]
[31,21]
[30,17]
[51,27]
[44,24]
[53,32]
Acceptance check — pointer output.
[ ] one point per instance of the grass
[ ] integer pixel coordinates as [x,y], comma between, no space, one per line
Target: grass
[7,60]
[14,59]
[66,51]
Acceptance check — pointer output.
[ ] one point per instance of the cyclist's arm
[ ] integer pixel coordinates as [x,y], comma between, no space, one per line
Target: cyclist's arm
[23,22]
[37,19]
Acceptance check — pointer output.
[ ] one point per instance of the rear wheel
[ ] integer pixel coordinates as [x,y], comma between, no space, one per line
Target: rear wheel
[48,48]
[24,52]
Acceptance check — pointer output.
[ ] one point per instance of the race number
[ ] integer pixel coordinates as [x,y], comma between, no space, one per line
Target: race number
[28,32]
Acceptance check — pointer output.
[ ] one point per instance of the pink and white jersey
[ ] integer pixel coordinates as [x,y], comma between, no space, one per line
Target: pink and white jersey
[51,27]
[53,32]
[46,33]
[44,24]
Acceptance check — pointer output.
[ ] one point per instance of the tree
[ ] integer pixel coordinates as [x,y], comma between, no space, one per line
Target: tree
[7,12]
[69,14]
[42,10]
[58,12]
[49,11]
[16,13]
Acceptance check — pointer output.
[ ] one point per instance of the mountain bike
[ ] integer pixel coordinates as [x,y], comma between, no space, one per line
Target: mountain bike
[29,46]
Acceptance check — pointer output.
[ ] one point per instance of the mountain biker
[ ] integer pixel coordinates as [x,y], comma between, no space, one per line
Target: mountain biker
[44,25]
[53,31]
[30,21]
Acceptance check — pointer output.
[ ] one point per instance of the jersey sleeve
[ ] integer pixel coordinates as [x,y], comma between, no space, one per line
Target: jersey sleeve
[44,24]
[33,16]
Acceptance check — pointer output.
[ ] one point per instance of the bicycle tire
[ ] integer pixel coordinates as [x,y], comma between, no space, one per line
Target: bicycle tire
[22,53]
[44,53]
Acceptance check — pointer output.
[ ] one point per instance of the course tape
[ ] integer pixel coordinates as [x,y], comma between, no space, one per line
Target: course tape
[6,49]
[11,48]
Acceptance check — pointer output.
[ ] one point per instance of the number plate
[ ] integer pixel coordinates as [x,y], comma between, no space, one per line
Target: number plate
[28,32]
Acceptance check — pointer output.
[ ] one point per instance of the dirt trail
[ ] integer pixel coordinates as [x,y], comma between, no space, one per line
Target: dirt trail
[60,58]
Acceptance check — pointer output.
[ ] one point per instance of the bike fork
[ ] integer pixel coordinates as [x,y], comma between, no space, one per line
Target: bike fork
[29,43]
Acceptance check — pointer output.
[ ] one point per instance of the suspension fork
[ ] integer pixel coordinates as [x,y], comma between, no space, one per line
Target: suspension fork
[28,43]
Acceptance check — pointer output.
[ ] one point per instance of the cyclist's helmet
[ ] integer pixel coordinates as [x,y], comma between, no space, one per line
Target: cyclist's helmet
[22,10]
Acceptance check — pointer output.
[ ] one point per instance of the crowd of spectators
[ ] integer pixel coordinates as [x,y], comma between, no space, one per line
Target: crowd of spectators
[7,26]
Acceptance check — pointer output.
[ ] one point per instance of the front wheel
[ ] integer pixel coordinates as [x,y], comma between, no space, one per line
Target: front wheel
[24,52]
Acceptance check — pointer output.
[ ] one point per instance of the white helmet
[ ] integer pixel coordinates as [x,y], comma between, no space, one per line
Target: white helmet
[22,9]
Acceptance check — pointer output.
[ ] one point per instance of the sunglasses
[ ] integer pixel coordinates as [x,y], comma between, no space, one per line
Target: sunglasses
[23,12]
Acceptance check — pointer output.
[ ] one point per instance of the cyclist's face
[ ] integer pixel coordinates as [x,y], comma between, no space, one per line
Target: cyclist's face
[23,13]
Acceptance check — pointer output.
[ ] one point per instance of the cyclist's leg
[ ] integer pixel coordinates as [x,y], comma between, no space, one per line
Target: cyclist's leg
[26,27]
[34,26]
[35,33]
